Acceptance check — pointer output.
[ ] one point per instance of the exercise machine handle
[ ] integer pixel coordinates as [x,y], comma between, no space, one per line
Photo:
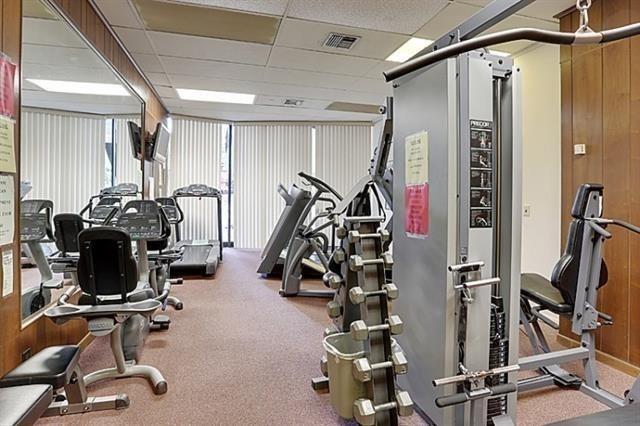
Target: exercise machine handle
[321,185]
[449,400]
[531,34]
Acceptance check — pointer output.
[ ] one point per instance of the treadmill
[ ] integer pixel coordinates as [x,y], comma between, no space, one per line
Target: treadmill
[199,257]
[274,253]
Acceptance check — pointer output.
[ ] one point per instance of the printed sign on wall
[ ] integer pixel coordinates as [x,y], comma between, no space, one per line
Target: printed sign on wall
[416,191]
[7,209]
[7,145]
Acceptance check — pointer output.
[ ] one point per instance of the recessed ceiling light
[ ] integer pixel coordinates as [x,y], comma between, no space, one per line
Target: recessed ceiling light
[211,96]
[408,49]
[80,88]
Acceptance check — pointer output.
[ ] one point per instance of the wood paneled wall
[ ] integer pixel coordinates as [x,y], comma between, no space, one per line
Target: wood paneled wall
[41,333]
[601,109]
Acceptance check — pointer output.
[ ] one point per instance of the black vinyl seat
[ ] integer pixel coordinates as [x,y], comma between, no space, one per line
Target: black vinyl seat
[51,366]
[24,405]
[559,294]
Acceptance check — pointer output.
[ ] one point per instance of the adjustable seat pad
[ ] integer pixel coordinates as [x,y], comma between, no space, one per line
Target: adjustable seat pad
[24,405]
[51,366]
[539,290]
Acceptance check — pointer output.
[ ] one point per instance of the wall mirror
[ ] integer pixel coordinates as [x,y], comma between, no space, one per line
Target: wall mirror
[75,141]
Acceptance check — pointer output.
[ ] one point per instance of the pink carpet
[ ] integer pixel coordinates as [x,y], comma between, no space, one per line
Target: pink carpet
[239,354]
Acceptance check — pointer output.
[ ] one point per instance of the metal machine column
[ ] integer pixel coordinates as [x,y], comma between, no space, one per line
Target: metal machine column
[465,109]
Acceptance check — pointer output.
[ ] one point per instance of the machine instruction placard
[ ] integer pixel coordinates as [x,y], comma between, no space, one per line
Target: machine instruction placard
[7,272]
[7,209]
[481,174]
[416,192]
[7,145]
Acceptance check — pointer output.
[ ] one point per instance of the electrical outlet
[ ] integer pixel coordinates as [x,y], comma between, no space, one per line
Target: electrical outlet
[26,354]
[526,210]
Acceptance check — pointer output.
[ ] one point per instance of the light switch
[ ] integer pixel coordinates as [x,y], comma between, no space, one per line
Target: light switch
[579,149]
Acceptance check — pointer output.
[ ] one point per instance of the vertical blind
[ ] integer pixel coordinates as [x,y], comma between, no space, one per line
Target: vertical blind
[265,155]
[343,152]
[127,166]
[195,156]
[63,155]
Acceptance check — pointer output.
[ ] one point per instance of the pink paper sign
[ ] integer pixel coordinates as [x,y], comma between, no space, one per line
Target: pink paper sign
[7,75]
[416,207]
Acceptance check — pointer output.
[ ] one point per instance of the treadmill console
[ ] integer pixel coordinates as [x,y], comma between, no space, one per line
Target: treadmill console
[171,209]
[35,220]
[121,190]
[104,208]
[142,220]
[197,190]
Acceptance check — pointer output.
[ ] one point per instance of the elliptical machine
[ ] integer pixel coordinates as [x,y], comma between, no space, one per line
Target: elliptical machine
[308,240]
[36,229]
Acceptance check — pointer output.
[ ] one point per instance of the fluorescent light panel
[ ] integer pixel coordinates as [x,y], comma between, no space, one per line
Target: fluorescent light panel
[211,96]
[80,88]
[408,49]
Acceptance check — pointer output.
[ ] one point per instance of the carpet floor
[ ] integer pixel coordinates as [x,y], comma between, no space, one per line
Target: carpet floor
[239,354]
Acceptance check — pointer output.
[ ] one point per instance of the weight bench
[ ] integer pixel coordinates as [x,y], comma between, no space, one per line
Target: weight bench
[24,405]
[57,368]
[572,292]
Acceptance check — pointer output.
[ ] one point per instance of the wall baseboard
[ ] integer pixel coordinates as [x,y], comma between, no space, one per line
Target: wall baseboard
[604,358]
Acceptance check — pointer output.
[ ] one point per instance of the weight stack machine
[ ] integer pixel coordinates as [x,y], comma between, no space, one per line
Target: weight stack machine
[457,206]
[362,358]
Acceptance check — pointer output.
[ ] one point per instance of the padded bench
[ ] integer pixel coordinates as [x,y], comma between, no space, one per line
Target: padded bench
[24,405]
[538,289]
[51,366]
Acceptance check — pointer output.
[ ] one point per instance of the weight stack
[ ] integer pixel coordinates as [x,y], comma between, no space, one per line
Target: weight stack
[498,357]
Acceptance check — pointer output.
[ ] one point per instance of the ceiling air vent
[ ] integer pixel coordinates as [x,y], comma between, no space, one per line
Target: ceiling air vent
[340,41]
[293,102]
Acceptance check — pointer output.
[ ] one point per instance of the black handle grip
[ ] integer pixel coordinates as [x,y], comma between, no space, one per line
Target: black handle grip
[503,389]
[449,400]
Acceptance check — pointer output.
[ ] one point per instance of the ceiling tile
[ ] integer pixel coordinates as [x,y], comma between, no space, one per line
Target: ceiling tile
[286,57]
[517,21]
[65,56]
[217,69]
[449,17]
[135,40]
[271,89]
[399,16]
[184,46]
[373,86]
[541,9]
[49,32]
[547,9]
[68,73]
[271,7]
[148,63]
[376,72]
[119,12]
[158,78]
[201,21]
[173,65]
[311,36]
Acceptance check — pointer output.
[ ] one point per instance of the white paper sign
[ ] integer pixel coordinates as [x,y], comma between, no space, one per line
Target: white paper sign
[7,210]
[7,272]
[417,158]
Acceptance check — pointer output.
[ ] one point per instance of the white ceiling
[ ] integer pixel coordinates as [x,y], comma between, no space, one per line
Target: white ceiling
[297,65]
[51,50]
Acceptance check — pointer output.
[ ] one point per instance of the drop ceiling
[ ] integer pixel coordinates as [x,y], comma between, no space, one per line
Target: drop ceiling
[274,49]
